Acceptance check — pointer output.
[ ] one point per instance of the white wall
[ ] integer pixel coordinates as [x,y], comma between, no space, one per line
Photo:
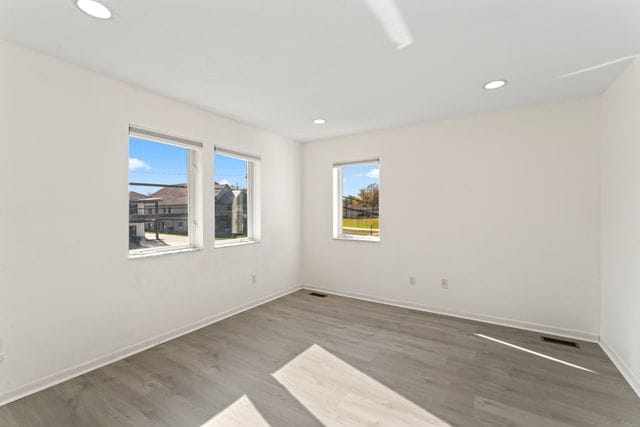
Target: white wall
[69,296]
[504,205]
[621,223]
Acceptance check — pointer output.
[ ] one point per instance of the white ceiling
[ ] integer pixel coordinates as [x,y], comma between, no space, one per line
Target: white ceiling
[279,64]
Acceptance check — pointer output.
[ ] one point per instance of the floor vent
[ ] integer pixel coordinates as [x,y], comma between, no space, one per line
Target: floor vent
[317,294]
[560,341]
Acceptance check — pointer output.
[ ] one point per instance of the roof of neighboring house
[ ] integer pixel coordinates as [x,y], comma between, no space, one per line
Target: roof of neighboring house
[220,188]
[225,193]
[134,197]
[180,195]
[171,196]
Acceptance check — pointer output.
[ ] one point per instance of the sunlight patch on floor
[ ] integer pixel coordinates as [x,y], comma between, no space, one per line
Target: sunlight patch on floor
[242,412]
[526,350]
[336,393]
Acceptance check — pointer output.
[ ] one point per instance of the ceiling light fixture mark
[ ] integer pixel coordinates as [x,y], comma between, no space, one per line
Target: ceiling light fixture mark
[94,9]
[495,84]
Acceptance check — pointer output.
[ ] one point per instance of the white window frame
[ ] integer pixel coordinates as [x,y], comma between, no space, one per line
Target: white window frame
[338,233]
[194,186]
[254,229]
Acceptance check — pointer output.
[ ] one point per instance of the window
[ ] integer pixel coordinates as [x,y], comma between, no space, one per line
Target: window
[356,188]
[162,178]
[236,198]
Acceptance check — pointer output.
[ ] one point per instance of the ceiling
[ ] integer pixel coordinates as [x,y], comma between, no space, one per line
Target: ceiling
[280,64]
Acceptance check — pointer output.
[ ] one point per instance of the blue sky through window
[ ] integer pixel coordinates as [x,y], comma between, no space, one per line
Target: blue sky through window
[156,163]
[356,177]
[231,171]
[152,162]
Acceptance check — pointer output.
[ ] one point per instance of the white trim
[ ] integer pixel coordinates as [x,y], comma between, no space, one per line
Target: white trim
[632,378]
[165,138]
[90,365]
[195,210]
[502,321]
[356,238]
[234,242]
[163,251]
[337,202]
[236,154]
[252,199]
[370,161]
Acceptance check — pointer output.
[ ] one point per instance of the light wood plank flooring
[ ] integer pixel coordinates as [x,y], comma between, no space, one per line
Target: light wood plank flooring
[307,361]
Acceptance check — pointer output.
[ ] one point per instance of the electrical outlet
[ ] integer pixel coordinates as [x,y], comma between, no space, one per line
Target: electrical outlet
[444,283]
[412,280]
[254,279]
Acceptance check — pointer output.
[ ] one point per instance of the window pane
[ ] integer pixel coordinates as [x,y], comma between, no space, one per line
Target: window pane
[360,200]
[231,198]
[158,195]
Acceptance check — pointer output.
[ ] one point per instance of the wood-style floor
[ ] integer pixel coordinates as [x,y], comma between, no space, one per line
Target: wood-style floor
[306,361]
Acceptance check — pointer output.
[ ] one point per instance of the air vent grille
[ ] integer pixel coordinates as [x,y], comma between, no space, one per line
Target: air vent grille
[560,341]
[317,294]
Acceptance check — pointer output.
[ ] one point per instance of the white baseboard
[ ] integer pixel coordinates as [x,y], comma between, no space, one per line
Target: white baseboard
[519,324]
[632,378]
[90,365]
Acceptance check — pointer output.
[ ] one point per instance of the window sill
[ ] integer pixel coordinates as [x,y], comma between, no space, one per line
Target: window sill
[238,242]
[163,252]
[358,239]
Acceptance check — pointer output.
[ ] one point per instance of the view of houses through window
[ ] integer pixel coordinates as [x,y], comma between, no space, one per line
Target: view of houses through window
[232,179]
[159,200]
[359,201]
[158,195]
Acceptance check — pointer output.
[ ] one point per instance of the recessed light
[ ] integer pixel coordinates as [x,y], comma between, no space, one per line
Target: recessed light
[94,8]
[496,84]
[319,121]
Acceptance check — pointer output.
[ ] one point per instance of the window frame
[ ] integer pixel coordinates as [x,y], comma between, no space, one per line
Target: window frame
[253,198]
[194,204]
[337,232]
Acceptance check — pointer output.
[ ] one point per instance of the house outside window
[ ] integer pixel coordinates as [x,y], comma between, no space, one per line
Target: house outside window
[163,173]
[356,200]
[236,201]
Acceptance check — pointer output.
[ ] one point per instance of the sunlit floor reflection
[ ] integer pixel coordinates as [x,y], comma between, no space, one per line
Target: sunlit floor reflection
[526,350]
[336,393]
[242,412]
